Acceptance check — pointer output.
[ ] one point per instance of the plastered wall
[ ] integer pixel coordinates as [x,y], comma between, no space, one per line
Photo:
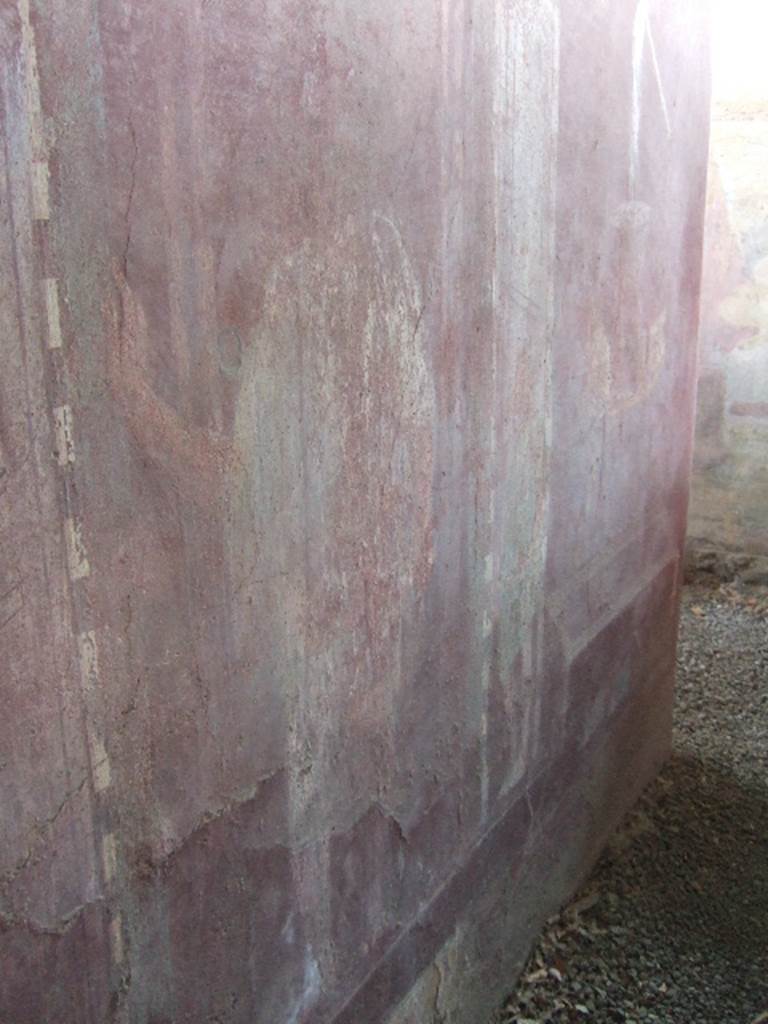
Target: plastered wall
[347,388]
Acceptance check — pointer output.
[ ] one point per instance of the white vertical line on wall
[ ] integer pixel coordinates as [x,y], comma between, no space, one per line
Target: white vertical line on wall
[89,659]
[39,157]
[41,204]
[64,436]
[639,29]
[109,856]
[78,565]
[32,79]
[77,557]
[659,83]
[116,938]
[52,309]
[100,766]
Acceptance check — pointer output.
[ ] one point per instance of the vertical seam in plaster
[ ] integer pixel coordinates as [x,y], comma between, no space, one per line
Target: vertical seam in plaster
[109,856]
[116,938]
[41,202]
[62,424]
[77,556]
[89,659]
[53,313]
[62,415]
[639,29]
[659,82]
[64,435]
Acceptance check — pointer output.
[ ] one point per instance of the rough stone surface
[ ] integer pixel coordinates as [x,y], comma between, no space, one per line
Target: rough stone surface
[703,562]
[346,378]
[756,573]
[672,925]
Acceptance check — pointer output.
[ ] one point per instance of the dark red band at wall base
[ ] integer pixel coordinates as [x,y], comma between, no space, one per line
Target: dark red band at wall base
[521,871]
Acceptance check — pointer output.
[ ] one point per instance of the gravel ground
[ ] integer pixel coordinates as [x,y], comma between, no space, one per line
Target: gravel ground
[672,926]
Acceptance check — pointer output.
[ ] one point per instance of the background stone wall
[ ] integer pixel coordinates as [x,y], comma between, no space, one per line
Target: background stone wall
[729,506]
[729,501]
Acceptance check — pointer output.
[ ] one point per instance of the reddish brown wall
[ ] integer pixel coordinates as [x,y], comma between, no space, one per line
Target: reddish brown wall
[346,410]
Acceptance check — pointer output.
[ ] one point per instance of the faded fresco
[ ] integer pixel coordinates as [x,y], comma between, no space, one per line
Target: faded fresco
[729,507]
[346,407]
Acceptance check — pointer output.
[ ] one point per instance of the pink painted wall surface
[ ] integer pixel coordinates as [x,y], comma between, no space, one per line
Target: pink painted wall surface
[347,387]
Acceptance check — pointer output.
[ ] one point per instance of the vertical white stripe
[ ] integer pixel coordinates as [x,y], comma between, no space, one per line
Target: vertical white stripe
[89,659]
[100,766]
[41,204]
[77,556]
[109,856]
[639,29]
[659,83]
[116,938]
[63,434]
[52,308]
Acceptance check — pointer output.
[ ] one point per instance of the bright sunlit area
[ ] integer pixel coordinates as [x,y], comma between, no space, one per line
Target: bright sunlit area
[739,50]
